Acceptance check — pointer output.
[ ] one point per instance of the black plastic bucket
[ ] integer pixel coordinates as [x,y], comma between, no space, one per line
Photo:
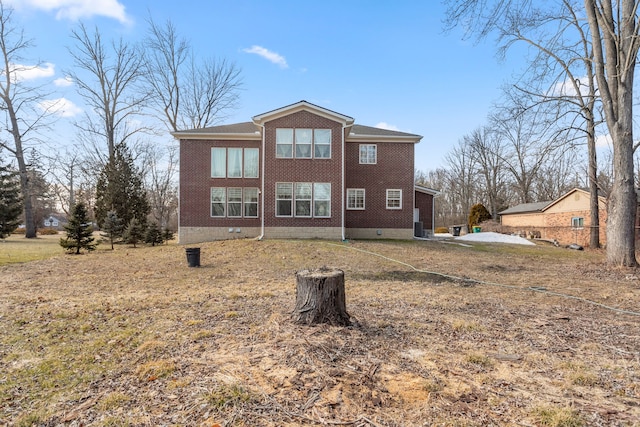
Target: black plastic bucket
[193,257]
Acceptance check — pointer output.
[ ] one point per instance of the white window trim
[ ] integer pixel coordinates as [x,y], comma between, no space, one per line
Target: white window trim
[241,162]
[400,199]
[375,146]
[356,190]
[225,162]
[223,203]
[313,205]
[257,202]
[578,218]
[244,157]
[290,200]
[236,203]
[328,145]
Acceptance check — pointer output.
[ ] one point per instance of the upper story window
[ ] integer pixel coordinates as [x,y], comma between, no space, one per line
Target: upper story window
[234,162]
[303,143]
[394,199]
[368,154]
[577,222]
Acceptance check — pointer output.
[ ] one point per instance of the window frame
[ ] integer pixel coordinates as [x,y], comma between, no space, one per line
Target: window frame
[315,144]
[244,162]
[389,198]
[278,200]
[298,134]
[281,132]
[222,203]
[316,200]
[354,193]
[366,160]
[237,202]
[298,199]
[246,203]
[580,222]
[240,161]
[219,149]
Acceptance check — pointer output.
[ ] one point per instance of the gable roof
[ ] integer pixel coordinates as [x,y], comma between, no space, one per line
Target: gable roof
[302,106]
[253,130]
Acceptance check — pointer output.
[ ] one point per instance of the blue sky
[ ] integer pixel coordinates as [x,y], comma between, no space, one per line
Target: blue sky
[386,64]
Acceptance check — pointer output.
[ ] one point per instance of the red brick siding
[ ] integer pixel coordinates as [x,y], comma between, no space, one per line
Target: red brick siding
[394,170]
[196,183]
[303,170]
[424,202]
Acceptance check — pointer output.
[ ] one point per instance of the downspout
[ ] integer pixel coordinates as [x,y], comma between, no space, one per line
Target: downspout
[261,236]
[343,184]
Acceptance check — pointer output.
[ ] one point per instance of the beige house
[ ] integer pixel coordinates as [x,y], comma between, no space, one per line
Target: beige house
[566,219]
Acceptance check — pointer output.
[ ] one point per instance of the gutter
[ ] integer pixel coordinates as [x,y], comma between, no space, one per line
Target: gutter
[342,202]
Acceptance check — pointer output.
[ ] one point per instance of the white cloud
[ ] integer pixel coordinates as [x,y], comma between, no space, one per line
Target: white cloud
[604,140]
[61,107]
[268,55]
[22,72]
[75,10]
[63,82]
[567,87]
[387,126]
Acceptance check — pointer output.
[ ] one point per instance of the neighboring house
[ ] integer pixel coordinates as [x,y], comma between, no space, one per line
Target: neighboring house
[54,221]
[566,219]
[300,171]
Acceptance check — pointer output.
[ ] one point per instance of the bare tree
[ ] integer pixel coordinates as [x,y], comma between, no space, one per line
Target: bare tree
[461,181]
[20,103]
[489,156]
[107,81]
[615,38]
[160,174]
[614,34]
[187,92]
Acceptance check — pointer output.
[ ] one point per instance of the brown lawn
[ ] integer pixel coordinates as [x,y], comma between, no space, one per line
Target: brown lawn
[483,335]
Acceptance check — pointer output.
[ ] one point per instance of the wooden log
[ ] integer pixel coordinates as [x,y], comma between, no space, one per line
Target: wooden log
[320,297]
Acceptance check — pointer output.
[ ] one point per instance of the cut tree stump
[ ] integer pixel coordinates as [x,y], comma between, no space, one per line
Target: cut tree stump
[320,297]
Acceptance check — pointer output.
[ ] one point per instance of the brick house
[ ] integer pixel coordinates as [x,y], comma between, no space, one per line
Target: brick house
[300,171]
[566,219]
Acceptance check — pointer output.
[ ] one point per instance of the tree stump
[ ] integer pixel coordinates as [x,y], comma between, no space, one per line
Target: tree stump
[320,297]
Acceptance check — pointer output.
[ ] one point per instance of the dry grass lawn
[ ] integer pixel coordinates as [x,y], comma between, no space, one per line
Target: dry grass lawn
[482,335]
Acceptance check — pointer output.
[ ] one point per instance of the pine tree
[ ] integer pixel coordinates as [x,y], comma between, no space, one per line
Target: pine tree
[167,235]
[478,214]
[153,234]
[134,232]
[120,189]
[79,231]
[10,201]
[112,227]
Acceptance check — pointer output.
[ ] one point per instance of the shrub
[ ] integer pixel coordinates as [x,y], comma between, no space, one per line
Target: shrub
[47,231]
[478,214]
[441,230]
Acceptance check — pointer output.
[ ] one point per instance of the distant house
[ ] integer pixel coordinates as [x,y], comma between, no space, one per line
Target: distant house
[54,221]
[300,171]
[566,219]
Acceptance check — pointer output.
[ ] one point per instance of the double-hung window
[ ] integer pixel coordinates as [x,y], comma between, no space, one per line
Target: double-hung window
[251,202]
[251,162]
[394,199]
[234,162]
[303,199]
[355,198]
[234,202]
[322,143]
[368,154]
[303,143]
[284,198]
[322,199]
[218,201]
[218,162]
[284,143]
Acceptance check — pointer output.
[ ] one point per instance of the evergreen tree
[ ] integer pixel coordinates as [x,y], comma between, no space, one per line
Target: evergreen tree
[167,235]
[134,232]
[153,234]
[478,214]
[112,227]
[79,231]
[120,189]
[10,201]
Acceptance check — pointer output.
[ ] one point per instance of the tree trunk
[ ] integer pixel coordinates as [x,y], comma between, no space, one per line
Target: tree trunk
[320,297]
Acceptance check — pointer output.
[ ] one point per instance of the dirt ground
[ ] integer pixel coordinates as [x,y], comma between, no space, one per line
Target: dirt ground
[441,335]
